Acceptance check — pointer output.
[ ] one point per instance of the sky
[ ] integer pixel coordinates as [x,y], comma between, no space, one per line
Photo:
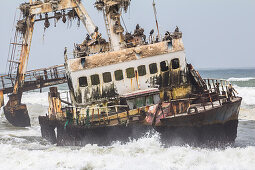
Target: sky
[217,34]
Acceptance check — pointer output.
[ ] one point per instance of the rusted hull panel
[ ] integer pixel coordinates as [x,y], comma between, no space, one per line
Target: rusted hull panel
[17,115]
[214,135]
[215,132]
[217,115]
[73,135]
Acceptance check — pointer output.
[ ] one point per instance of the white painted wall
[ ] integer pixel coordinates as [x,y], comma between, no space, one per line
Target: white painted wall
[124,86]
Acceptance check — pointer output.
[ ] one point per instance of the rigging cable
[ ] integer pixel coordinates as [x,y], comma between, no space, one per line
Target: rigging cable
[124,24]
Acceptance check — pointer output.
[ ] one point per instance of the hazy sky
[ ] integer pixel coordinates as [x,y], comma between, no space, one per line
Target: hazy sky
[216,33]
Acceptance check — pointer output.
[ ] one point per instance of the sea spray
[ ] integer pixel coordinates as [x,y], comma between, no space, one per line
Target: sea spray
[23,148]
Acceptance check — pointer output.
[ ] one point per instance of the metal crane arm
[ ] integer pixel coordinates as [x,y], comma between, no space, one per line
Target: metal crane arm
[66,4]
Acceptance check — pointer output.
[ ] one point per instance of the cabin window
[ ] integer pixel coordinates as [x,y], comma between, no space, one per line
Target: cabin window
[153,68]
[95,79]
[107,77]
[130,72]
[164,66]
[141,70]
[118,75]
[83,62]
[175,63]
[83,82]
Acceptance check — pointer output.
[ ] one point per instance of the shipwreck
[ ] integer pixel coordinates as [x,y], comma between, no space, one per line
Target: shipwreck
[119,87]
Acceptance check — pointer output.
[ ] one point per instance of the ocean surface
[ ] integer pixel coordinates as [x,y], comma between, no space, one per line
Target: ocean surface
[23,148]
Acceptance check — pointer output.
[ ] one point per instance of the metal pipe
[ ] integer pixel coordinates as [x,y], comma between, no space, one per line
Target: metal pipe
[155,14]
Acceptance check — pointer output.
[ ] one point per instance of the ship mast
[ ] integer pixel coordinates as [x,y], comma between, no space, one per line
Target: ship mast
[155,14]
[112,13]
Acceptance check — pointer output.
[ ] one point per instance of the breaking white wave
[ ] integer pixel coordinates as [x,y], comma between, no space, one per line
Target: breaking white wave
[247,93]
[241,79]
[23,148]
[145,153]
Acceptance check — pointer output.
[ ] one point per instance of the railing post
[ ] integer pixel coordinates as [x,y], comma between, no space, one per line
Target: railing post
[2,78]
[213,84]
[116,110]
[92,116]
[210,99]
[209,85]
[99,119]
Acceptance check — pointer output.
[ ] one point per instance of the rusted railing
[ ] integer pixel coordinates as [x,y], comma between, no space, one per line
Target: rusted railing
[219,86]
[100,115]
[35,79]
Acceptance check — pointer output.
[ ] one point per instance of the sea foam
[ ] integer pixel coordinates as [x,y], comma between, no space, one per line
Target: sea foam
[247,93]
[145,153]
[241,79]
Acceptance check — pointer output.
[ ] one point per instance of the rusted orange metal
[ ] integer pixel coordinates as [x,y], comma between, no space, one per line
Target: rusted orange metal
[54,104]
[48,77]
[1,98]
[27,39]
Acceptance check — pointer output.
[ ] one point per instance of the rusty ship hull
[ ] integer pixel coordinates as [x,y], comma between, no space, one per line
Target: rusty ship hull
[217,125]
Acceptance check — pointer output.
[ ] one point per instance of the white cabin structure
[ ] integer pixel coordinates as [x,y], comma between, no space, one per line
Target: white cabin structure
[108,76]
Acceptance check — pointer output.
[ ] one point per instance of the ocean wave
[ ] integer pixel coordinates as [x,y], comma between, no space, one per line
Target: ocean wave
[241,79]
[145,153]
[247,93]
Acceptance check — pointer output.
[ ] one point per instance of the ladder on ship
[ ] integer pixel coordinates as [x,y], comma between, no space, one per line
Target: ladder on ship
[34,79]
[15,49]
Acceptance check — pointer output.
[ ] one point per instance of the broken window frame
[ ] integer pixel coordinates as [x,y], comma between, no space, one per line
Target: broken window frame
[130,72]
[164,67]
[174,65]
[153,70]
[107,77]
[141,70]
[95,80]
[118,75]
[83,81]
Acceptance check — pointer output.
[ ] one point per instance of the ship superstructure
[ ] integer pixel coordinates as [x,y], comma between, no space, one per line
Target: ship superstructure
[126,85]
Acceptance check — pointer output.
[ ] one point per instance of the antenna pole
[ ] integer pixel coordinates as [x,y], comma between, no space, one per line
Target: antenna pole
[155,13]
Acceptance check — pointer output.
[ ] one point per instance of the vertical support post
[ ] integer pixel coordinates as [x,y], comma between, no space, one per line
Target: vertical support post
[99,119]
[155,14]
[223,91]
[67,97]
[2,79]
[24,55]
[107,113]
[116,109]
[214,84]
[1,98]
[54,103]
[92,115]
[209,85]
[210,99]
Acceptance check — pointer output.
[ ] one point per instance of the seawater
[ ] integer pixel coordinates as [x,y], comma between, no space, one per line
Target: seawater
[23,148]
